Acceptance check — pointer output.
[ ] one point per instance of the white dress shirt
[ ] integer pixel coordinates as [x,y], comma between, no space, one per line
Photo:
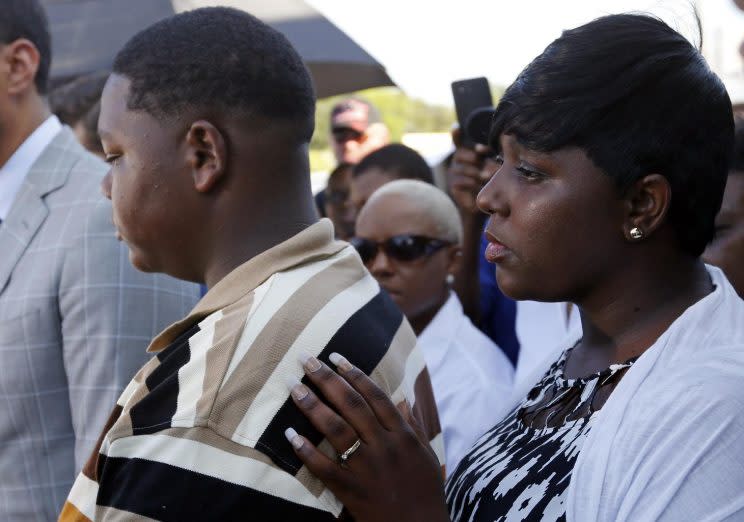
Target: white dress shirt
[15,169]
[470,375]
[541,329]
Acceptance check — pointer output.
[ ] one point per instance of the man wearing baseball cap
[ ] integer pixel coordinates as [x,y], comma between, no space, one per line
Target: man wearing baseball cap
[356,130]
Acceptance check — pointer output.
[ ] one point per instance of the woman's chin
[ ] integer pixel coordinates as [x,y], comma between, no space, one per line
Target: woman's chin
[519,290]
[516,287]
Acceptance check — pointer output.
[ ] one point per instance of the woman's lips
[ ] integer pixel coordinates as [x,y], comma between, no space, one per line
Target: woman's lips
[495,251]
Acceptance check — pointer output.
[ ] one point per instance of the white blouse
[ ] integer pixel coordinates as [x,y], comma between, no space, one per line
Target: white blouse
[470,375]
[668,444]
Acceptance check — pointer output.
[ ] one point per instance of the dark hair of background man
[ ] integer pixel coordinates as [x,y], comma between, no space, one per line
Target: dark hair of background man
[397,160]
[72,101]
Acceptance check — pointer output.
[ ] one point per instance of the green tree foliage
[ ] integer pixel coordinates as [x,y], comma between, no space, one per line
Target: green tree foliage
[399,112]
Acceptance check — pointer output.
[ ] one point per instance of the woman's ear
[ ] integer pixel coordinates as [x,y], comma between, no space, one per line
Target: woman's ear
[648,202]
[207,155]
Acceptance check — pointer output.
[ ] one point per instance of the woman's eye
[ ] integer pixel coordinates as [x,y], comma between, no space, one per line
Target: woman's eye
[529,173]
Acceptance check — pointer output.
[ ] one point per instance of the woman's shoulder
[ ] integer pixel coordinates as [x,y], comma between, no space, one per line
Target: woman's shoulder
[696,394]
[715,371]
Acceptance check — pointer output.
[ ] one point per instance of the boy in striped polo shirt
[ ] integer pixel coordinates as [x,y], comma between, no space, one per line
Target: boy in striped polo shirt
[205,122]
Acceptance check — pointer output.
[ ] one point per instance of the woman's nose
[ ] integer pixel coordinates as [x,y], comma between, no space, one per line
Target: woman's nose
[492,197]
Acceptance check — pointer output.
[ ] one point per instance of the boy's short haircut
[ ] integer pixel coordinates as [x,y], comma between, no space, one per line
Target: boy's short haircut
[223,60]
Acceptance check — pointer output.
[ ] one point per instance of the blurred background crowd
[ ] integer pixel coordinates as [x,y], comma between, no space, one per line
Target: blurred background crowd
[384,115]
[396,170]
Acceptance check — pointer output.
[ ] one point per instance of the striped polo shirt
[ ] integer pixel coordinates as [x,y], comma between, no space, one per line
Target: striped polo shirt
[199,432]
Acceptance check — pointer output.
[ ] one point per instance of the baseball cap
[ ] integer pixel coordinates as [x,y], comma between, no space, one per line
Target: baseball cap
[354,114]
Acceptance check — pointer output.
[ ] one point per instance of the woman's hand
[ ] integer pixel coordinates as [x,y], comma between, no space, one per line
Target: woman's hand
[393,475]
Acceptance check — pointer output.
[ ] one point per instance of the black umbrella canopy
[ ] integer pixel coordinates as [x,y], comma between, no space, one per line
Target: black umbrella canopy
[87,34]
[337,63]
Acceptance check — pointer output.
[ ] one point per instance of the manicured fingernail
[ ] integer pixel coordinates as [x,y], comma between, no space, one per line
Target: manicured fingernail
[294,438]
[310,363]
[296,388]
[340,361]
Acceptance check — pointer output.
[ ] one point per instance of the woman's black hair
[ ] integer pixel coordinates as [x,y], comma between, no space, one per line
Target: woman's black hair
[639,99]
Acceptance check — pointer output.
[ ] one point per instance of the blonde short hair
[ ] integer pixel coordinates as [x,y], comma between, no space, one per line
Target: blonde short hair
[430,200]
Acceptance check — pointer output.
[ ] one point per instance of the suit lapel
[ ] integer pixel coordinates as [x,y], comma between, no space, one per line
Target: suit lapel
[29,211]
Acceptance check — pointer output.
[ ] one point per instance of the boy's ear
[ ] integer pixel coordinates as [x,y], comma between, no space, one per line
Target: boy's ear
[207,155]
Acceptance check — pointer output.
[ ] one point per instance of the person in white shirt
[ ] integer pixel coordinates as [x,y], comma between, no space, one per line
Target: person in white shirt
[408,235]
[75,316]
[541,328]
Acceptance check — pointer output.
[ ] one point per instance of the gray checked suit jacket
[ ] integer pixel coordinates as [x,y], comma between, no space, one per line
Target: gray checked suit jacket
[75,319]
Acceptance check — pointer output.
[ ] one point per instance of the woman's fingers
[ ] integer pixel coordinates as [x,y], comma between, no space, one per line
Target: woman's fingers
[317,462]
[393,475]
[383,408]
[345,399]
[338,432]
[407,414]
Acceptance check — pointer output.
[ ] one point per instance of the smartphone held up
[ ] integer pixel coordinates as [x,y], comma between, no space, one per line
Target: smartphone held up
[473,103]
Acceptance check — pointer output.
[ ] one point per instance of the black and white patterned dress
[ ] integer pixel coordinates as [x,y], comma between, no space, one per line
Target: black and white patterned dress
[520,469]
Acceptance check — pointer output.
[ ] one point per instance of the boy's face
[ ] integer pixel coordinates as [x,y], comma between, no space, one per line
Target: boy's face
[149,183]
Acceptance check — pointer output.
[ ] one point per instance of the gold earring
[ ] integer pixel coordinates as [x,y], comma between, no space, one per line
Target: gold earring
[636,233]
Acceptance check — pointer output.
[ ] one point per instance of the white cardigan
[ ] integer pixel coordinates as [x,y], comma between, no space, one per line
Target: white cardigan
[668,444]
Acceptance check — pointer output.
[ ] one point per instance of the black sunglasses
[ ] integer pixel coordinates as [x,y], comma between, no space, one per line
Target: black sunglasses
[344,134]
[405,247]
